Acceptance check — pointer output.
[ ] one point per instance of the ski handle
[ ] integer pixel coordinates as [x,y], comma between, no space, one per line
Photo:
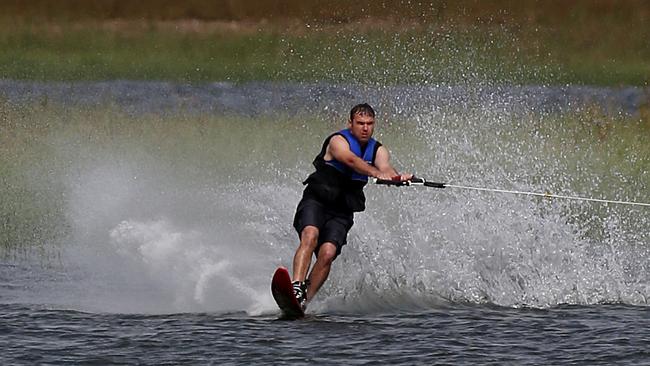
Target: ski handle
[411,182]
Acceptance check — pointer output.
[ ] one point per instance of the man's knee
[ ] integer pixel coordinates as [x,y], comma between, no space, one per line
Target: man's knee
[327,252]
[309,236]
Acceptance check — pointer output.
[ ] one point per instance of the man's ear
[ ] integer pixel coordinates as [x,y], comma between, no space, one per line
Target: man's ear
[349,123]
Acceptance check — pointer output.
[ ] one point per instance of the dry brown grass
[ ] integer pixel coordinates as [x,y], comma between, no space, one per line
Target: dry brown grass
[522,12]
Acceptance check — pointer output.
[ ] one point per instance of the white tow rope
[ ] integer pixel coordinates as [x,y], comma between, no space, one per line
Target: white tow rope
[422,182]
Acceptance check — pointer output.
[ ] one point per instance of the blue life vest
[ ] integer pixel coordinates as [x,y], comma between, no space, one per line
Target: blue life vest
[367,153]
[335,184]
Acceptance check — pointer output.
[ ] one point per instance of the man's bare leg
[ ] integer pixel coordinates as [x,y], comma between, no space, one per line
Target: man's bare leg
[321,270]
[302,258]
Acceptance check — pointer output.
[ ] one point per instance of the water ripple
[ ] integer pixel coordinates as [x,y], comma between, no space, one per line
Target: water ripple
[457,335]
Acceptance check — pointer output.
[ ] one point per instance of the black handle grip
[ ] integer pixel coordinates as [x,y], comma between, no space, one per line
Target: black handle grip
[412,181]
[434,185]
[389,182]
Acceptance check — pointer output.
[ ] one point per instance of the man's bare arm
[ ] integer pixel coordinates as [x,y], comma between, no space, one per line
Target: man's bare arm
[382,162]
[340,150]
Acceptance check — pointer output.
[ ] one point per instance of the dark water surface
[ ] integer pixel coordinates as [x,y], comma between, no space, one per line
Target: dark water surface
[257,98]
[457,334]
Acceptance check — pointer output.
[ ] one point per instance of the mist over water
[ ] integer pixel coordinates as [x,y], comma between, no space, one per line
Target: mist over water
[190,209]
[176,246]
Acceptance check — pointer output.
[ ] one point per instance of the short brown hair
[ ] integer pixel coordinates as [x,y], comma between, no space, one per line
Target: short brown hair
[362,109]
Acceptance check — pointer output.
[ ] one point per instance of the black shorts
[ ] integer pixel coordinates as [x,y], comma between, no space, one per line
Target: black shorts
[333,226]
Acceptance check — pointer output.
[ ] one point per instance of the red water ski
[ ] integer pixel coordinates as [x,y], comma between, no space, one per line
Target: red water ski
[282,290]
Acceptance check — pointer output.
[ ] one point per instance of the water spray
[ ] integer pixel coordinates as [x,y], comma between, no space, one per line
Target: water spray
[422,182]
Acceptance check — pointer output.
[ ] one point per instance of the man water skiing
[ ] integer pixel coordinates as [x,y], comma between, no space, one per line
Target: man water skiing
[333,193]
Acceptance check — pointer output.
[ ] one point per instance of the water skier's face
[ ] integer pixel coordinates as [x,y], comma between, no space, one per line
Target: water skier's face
[362,127]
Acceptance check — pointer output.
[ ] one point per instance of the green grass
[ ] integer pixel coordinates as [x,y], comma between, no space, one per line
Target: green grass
[583,43]
[81,54]
[375,57]
[390,42]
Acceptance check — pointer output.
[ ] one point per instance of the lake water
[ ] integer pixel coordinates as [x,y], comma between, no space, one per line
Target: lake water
[142,223]
[455,334]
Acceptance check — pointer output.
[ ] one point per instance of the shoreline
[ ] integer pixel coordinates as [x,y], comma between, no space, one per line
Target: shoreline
[260,98]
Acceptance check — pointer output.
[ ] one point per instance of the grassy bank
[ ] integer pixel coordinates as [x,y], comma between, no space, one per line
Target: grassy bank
[126,50]
[597,43]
